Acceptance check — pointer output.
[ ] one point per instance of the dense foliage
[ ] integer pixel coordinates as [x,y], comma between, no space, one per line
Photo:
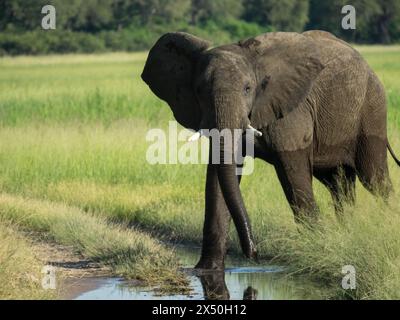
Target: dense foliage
[103,25]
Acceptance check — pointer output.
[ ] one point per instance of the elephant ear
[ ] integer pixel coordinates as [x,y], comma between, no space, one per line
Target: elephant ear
[287,65]
[168,72]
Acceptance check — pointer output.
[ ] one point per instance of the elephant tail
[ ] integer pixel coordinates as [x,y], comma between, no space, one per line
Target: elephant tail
[393,155]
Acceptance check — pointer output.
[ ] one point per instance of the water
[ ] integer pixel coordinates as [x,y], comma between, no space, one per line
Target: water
[241,280]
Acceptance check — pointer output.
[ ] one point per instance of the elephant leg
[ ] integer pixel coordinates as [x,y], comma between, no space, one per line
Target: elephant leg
[372,167]
[341,183]
[216,224]
[294,171]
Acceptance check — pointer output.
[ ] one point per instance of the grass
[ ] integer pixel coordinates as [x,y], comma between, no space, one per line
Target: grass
[72,164]
[130,253]
[20,270]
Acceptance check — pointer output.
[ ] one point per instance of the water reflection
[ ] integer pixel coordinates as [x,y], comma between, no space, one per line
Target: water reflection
[250,282]
[215,288]
[235,284]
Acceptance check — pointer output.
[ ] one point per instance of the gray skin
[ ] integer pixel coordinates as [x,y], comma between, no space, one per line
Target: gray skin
[321,109]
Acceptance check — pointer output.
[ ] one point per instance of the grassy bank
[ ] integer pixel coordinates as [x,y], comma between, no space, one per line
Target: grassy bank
[20,270]
[130,253]
[73,162]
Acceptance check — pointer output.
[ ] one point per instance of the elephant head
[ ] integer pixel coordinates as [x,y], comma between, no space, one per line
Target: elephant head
[253,82]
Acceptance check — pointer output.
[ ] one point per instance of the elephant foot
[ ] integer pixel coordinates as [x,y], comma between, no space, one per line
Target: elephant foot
[252,254]
[254,257]
[210,264]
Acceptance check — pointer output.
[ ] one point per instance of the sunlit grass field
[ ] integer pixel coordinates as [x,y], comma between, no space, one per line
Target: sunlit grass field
[20,270]
[73,164]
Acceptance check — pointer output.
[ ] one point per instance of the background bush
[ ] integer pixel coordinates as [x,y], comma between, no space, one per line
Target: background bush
[86,26]
[133,38]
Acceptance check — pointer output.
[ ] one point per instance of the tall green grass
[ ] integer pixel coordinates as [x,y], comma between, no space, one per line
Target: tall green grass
[73,131]
[79,88]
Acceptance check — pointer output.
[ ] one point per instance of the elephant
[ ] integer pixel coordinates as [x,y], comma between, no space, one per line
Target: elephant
[318,107]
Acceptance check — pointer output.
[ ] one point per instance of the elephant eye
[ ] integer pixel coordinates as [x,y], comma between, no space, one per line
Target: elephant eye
[247,89]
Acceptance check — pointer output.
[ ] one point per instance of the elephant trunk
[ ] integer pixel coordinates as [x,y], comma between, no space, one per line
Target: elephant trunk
[226,170]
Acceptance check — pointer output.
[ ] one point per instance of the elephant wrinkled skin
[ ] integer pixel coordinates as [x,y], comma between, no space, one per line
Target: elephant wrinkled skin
[320,108]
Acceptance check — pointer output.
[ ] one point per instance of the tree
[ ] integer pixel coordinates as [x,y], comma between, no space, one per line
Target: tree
[147,12]
[203,10]
[88,15]
[92,15]
[328,16]
[283,15]
[376,19]
[384,21]
[21,14]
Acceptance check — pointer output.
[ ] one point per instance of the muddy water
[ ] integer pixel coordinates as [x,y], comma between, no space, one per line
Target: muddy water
[240,280]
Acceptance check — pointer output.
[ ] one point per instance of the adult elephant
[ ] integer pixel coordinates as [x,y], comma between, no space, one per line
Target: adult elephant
[320,108]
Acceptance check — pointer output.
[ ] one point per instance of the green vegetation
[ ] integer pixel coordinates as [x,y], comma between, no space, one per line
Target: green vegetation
[58,104]
[130,253]
[86,26]
[20,271]
[133,38]
[73,166]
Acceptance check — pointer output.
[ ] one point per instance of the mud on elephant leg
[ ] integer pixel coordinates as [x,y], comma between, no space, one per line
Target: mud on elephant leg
[294,171]
[216,224]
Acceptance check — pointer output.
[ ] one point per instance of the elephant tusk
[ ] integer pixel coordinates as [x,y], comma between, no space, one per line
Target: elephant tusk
[257,133]
[196,136]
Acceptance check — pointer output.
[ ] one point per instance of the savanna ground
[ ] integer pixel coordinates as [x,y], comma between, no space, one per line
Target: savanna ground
[73,169]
